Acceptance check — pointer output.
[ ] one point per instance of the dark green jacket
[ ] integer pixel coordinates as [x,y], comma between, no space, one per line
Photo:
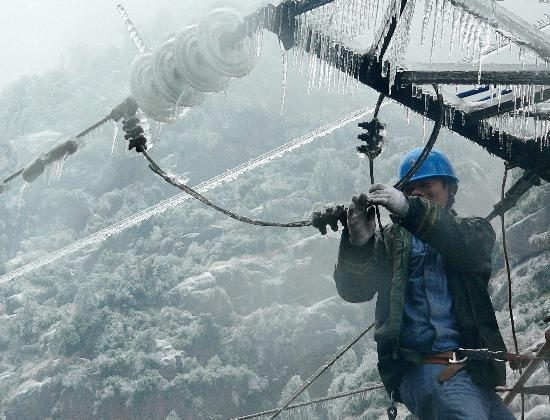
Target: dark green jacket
[382,266]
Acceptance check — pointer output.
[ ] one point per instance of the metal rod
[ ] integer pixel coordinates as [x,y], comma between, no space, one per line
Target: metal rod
[529,370]
[463,74]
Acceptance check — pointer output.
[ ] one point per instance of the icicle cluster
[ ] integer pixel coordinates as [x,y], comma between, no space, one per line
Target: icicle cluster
[469,35]
[524,121]
[322,32]
[55,158]
[400,41]
[200,59]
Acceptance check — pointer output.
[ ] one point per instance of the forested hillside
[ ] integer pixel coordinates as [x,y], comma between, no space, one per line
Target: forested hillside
[189,314]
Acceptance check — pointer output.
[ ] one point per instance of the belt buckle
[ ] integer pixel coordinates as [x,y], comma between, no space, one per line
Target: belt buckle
[456,361]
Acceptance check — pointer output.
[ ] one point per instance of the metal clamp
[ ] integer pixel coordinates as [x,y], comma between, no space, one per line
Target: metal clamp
[456,361]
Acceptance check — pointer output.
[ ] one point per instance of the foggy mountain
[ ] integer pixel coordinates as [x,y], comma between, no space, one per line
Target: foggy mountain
[189,314]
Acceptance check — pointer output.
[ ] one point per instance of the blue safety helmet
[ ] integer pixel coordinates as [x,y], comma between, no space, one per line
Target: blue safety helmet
[436,164]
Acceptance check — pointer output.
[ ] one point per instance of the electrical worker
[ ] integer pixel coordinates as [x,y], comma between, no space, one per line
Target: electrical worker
[430,269]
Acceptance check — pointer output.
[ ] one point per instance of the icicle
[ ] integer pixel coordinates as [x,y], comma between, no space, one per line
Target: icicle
[454,29]
[115,134]
[484,42]
[437,21]
[464,33]
[446,18]
[424,127]
[428,6]
[60,167]
[470,34]
[20,201]
[284,60]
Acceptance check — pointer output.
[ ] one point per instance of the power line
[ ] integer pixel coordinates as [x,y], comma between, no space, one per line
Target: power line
[180,199]
[320,371]
[373,387]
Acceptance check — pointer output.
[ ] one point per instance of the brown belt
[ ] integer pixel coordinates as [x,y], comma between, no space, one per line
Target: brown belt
[446,358]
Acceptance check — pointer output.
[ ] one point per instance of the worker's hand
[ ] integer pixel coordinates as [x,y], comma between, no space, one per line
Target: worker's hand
[390,198]
[361,220]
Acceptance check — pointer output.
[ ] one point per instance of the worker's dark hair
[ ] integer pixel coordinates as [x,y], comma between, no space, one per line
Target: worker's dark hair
[452,186]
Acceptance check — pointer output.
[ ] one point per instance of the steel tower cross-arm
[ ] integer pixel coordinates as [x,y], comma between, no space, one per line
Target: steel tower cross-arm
[368,70]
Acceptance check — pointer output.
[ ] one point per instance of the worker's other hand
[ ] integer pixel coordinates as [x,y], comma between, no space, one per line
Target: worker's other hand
[390,198]
[361,220]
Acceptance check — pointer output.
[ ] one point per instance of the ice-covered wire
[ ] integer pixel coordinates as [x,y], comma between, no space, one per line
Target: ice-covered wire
[320,371]
[509,276]
[429,145]
[371,166]
[373,387]
[78,136]
[126,107]
[195,194]
[179,199]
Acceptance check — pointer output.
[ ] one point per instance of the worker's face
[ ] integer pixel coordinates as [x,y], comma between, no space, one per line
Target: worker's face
[432,189]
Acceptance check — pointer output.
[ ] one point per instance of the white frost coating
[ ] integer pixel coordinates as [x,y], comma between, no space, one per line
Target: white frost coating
[146,92]
[171,87]
[447,12]
[192,66]
[231,60]
[525,121]
[179,199]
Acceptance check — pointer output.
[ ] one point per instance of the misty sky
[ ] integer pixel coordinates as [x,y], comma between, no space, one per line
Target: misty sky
[35,33]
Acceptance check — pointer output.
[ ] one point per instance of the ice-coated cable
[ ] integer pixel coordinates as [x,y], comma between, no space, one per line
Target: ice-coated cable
[429,145]
[179,199]
[509,277]
[363,390]
[195,194]
[78,136]
[334,358]
[371,167]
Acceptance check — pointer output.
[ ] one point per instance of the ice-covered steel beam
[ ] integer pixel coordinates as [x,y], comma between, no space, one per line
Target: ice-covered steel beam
[465,74]
[309,5]
[507,104]
[367,69]
[541,111]
[524,154]
[508,24]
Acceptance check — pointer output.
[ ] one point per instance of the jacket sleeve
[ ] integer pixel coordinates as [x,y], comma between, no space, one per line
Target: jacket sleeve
[464,242]
[359,269]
